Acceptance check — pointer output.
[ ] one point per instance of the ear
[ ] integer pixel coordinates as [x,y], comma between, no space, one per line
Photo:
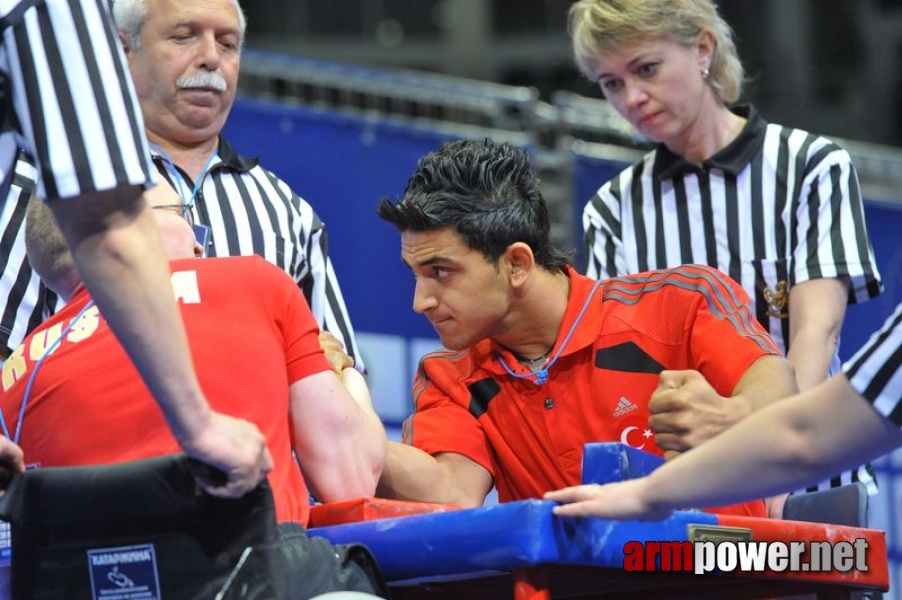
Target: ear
[705,46]
[125,47]
[521,261]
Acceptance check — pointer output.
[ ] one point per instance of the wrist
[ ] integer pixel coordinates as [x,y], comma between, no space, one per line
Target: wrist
[190,421]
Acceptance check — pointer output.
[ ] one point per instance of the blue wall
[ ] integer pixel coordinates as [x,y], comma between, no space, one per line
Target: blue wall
[342,165]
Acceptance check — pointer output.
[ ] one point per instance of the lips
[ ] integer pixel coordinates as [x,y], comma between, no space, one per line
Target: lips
[202,96]
[647,119]
[436,323]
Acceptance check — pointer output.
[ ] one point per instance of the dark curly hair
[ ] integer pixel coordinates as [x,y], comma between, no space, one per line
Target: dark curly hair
[486,191]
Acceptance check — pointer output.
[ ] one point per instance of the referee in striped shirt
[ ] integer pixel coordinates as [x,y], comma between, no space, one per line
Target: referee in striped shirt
[777,209]
[186,76]
[853,417]
[66,97]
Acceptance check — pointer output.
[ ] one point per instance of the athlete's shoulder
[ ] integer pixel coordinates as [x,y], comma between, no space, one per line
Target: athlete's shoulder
[681,281]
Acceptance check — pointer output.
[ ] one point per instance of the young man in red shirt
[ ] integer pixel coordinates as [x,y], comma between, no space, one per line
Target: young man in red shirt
[540,359]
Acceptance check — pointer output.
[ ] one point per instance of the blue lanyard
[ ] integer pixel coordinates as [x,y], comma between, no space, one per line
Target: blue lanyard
[542,374]
[35,372]
[189,201]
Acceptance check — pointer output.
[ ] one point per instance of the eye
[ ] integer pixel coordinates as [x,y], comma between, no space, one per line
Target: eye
[229,44]
[609,86]
[181,34]
[648,69]
[440,272]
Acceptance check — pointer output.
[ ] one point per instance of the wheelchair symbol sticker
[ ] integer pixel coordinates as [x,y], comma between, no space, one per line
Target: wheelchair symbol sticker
[124,573]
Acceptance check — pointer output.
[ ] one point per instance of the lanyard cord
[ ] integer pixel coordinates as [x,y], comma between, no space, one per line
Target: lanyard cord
[35,372]
[178,176]
[541,376]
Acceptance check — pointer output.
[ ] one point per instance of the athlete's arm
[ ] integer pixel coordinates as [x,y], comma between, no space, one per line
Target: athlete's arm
[446,478]
[338,438]
[686,410]
[787,445]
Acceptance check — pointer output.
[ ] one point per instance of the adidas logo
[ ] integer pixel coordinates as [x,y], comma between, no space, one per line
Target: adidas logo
[624,407]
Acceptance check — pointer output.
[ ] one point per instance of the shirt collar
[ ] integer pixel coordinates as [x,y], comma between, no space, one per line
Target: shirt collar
[231,158]
[228,157]
[731,159]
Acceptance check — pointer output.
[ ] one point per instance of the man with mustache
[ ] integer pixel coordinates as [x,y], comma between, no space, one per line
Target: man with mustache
[184,57]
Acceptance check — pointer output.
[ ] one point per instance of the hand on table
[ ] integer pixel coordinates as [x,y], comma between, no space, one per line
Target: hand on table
[621,500]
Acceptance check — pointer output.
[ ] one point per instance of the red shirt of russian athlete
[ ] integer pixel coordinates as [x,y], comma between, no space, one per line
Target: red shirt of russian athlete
[251,335]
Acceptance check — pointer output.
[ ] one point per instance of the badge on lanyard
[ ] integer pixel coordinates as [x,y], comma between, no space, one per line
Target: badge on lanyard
[202,233]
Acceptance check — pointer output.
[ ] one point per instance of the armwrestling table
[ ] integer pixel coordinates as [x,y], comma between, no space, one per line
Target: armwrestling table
[522,551]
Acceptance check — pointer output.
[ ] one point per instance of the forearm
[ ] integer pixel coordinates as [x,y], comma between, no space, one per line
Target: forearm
[769,379]
[351,470]
[368,441]
[338,437]
[786,446]
[811,356]
[817,309]
[411,474]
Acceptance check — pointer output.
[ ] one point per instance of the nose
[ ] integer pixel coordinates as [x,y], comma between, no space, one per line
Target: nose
[208,57]
[423,299]
[634,94]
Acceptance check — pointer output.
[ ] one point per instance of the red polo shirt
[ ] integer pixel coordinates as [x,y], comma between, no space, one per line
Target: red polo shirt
[251,335]
[622,333]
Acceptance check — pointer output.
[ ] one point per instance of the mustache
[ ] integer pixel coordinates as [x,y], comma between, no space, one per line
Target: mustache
[202,79]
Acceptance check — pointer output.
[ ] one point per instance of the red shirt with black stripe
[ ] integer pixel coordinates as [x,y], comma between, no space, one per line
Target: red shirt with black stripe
[530,437]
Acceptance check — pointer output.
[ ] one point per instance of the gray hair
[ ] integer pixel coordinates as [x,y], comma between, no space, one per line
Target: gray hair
[129,16]
[599,26]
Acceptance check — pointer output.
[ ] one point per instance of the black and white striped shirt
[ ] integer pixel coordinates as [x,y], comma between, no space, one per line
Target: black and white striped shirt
[66,98]
[776,207]
[22,295]
[875,371]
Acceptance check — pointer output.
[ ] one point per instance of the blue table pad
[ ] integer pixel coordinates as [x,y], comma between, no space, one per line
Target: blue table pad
[500,538]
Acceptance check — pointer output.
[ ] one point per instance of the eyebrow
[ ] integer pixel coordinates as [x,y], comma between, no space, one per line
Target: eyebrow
[433,260]
[194,23]
[630,66]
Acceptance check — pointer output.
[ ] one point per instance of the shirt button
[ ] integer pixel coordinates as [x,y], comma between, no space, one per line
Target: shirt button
[549,403]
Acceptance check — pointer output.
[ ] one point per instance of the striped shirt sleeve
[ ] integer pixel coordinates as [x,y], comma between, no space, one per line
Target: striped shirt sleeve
[603,226]
[875,371]
[73,99]
[830,234]
[21,293]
